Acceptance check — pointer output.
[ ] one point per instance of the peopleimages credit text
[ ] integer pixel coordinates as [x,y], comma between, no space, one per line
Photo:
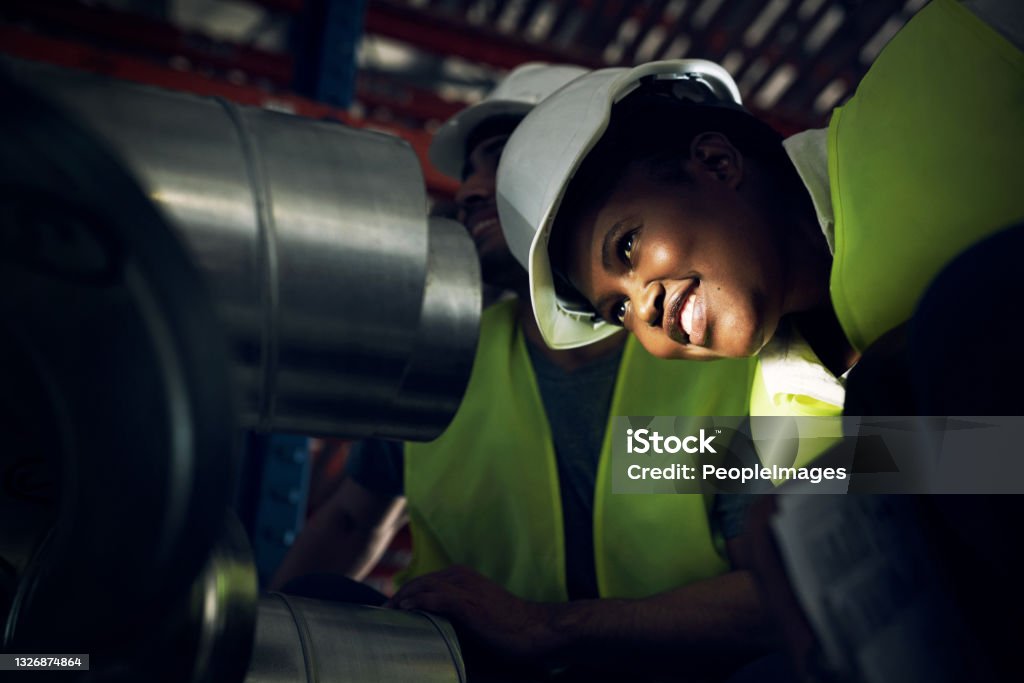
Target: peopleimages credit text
[644,441]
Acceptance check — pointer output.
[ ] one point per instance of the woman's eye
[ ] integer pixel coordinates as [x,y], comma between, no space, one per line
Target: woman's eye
[619,312]
[626,246]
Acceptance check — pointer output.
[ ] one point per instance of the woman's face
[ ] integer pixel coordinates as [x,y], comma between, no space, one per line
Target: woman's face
[691,268]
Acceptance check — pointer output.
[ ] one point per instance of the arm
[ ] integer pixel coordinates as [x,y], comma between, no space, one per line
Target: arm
[347,536]
[716,621]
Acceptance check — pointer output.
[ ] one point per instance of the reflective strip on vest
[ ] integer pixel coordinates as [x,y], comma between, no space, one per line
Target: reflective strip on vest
[788,443]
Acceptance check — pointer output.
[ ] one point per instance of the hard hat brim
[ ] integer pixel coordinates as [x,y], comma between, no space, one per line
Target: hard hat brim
[561,327]
[448,151]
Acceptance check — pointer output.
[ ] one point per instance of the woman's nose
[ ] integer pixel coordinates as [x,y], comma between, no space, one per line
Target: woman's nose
[650,304]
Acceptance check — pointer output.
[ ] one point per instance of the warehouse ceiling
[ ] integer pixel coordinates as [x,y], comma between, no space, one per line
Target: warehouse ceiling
[794,59]
[421,60]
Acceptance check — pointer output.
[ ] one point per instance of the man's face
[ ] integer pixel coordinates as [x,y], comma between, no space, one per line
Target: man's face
[690,267]
[479,212]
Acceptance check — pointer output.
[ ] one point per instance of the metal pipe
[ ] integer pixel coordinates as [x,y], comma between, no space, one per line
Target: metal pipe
[448,331]
[300,640]
[314,241]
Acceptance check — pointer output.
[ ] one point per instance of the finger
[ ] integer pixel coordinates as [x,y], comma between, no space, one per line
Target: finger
[414,586]
[425,583]
[441,577]
[436,602]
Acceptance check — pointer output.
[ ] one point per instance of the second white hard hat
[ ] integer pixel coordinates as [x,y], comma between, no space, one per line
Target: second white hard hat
[547,149]
[515,95]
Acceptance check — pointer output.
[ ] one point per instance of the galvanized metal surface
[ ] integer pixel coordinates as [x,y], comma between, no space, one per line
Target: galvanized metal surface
[299,640]
[313,238]
[115,411]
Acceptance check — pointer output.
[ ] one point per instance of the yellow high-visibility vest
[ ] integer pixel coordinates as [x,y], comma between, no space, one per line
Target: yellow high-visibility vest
[486,492]
[924,161]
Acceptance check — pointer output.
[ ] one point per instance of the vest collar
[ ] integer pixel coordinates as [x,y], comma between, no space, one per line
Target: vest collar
[809,153]
[788,364]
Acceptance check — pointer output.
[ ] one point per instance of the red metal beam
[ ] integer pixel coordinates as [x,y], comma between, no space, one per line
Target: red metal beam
[433,32]
[144,35]
[382,90]
[29,45]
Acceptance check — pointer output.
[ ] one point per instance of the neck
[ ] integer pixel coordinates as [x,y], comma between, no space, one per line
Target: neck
[810,268]
[567,359]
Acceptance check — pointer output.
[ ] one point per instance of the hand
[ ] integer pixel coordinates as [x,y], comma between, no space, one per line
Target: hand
[481,608]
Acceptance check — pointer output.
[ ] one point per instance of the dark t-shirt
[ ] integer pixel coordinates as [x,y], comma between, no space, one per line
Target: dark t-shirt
[581,400]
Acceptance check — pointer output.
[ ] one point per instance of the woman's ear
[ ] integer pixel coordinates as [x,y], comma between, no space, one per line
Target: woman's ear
[714,154]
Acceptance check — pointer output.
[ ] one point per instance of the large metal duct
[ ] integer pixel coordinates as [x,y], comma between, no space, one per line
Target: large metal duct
[345,313]
[116,410]
[309,242]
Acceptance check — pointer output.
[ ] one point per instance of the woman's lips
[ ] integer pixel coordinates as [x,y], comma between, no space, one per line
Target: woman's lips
[693,318]
[686,316]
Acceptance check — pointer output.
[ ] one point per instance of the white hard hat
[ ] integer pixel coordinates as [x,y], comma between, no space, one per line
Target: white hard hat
[516,95]
[547,149]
